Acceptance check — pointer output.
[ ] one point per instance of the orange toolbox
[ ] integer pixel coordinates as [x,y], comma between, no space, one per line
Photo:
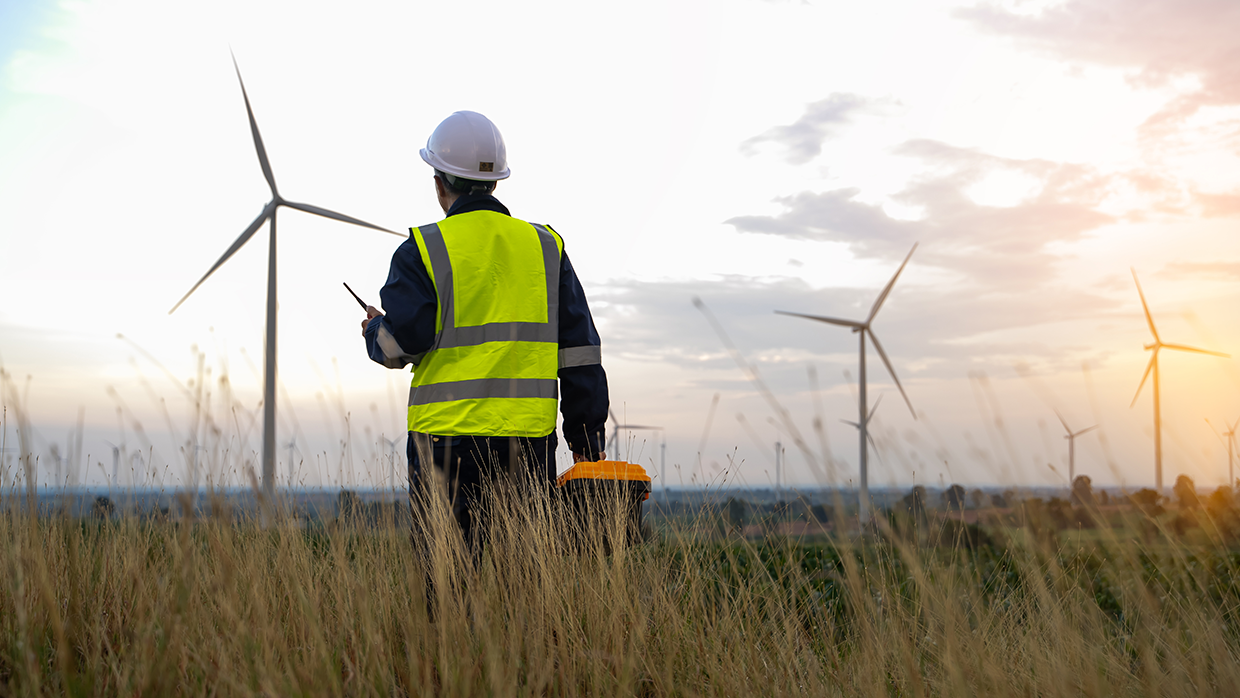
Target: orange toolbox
[590,487]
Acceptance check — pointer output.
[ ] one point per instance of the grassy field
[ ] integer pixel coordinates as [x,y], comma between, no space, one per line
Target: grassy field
[129,606]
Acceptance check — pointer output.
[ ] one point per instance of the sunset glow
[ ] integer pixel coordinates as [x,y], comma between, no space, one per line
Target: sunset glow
[755,155]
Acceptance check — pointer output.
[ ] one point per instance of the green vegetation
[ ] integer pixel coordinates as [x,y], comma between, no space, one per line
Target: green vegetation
[924,605]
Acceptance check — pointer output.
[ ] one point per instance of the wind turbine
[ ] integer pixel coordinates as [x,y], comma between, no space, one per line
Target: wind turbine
[391,444]
[1231,436]
[1153,366]
[779,461]
[616,426]
[1071,437]
[291,446]
[59,461]
[269,214]
[663,466]
[116,460]
[862,329]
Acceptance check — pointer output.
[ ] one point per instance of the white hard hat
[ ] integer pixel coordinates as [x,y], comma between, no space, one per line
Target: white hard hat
[467,145]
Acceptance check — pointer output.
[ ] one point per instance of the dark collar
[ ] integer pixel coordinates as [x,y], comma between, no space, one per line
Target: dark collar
[466,203]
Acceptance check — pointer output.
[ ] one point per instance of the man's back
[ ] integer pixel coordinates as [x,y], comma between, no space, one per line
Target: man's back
[493,366]
[496,255]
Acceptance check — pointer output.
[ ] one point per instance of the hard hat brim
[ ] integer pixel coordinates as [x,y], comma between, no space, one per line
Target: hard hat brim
[438,163]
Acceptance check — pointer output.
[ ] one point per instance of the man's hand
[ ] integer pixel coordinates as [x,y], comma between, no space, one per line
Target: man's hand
[579,458]
[371,313]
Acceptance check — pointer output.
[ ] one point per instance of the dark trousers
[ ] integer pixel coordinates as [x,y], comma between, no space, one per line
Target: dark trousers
[466,463]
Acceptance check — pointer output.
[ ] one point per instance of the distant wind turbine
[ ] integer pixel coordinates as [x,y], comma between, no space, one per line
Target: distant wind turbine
[1153,366]
[1231,439]
[1071,437]
[616,426]
[269,214]
[60,479]
[116,461]
[779,462]
[863,329]
[391,444]
[291,446]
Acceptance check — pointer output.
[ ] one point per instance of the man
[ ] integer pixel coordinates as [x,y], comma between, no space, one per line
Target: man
[488,310]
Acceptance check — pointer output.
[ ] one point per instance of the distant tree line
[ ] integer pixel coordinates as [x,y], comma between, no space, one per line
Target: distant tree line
[1184,511]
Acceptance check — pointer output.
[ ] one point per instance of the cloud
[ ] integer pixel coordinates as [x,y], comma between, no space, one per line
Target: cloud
[804,137]
[1215,205]
[990,244]
[929,331]
[1161,40]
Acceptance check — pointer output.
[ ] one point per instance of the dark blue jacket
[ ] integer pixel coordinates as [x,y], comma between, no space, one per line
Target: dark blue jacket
[406,332]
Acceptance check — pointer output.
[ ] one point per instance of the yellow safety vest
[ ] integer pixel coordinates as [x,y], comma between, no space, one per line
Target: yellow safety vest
[492,369]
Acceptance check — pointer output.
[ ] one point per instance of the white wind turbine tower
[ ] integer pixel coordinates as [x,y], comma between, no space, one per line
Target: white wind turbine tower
[1231,440]
[863,329]
[269,214]
[1071,437]
[1153,366]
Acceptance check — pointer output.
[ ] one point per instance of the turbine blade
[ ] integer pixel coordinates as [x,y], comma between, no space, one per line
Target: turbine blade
[1148,367]
[1149,318]
[612,414]
[1065,424]
[819,318]
[245,237]
[638,427]
[1237,424]
[1089,429]
[874,409]
[258,139]
[883,296]
[1195,350]
[887,362]
[854,425]
[338,216]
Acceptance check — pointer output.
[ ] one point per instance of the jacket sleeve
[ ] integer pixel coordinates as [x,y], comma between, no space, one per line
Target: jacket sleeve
[583,383]
[406,330]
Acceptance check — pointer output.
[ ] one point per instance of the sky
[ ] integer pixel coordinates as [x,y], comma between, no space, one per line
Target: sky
[757,156]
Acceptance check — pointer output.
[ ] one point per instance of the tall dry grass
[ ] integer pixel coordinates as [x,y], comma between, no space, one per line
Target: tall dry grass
[129,606]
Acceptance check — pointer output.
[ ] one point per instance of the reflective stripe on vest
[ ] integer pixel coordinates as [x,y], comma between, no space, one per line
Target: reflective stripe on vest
[492,368]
